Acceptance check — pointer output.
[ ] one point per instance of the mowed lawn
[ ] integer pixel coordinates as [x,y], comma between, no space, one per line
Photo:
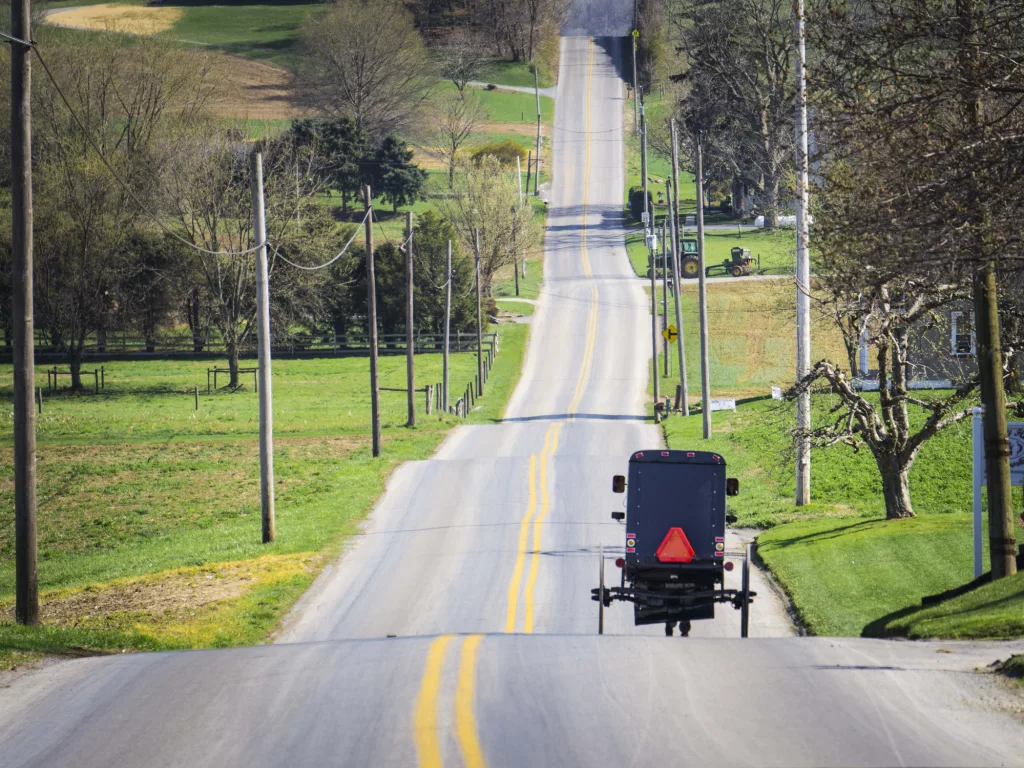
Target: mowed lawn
[149,511]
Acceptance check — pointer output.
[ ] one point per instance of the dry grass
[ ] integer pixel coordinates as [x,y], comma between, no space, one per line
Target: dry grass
[108,17]
[253,90]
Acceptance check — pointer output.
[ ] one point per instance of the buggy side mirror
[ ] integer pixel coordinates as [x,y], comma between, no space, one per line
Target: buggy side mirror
[730,519]
[619,484]
[617,515]
[732,487]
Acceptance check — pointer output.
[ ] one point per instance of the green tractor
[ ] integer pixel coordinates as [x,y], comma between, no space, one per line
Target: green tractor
[739,265]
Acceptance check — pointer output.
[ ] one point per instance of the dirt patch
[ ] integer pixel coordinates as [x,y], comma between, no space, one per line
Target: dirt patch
[131,19]
[520,129]
[160,595]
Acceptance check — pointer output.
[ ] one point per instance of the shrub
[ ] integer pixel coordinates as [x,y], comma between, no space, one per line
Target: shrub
[505,152]
[636,202]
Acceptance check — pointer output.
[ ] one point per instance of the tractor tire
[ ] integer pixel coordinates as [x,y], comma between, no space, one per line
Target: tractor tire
[736,270]
[691,268]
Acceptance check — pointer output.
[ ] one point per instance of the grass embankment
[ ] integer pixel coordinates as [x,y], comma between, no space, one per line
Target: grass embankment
[149,514]
[847,569]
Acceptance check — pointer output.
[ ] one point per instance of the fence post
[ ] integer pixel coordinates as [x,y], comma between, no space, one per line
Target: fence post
[39,397]
[197,396]
[103,377]
[96,375]
[429,390]
[207,381]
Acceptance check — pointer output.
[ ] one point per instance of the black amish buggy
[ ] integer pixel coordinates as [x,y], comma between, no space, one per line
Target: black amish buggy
[675,561]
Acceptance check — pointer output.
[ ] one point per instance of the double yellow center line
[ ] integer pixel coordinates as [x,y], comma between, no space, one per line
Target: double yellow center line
[588,349]
[425,730]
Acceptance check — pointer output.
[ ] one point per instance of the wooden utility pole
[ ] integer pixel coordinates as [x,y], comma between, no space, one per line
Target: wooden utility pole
[1002,543]
[664,288]
[263,352]
[447,330]
[803,265]
[371,311]
[479,318]
[702,288]
[410,341]
[536,91]
[529,169]
[633,41]
[26,607]
[677,250]
[648,230]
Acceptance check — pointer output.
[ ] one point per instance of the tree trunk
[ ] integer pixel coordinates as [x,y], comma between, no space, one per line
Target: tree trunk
[895,487]
[232,350]
[192,315]
[75,349]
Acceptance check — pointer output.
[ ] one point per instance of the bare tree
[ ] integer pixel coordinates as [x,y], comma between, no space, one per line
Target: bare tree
[462,58]
[934,88]
[745,48]
[453,120]
[486,197]
[128,97]
[367,61]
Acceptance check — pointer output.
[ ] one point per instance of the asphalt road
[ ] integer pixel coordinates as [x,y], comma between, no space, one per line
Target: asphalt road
[480,563]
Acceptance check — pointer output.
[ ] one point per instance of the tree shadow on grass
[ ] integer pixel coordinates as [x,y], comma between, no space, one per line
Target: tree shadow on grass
[831,533]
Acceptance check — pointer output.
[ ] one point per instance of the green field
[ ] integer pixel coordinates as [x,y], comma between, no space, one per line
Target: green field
[508,106]
[752,338]
[271,31]
[134,486]
[515,73]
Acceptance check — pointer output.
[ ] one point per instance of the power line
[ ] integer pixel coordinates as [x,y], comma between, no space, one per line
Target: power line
[277,253]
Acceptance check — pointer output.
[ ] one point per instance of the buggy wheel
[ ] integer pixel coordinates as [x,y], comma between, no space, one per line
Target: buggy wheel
[745,605]
[600,593]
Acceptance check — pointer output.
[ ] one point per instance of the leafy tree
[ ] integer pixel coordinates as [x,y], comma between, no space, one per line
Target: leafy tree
[339,147]
[430,249]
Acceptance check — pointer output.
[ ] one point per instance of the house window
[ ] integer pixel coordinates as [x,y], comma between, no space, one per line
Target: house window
[961,332]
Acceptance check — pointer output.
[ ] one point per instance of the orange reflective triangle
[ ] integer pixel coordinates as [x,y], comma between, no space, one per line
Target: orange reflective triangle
[675,547]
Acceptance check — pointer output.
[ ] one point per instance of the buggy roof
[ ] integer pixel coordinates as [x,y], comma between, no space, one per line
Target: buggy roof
[676,457]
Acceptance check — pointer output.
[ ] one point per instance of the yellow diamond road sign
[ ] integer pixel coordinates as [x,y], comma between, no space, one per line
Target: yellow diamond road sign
[670,333]
[636,33]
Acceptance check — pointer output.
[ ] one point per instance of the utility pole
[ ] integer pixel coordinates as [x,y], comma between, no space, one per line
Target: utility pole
[371,305]
[803,266]
[410,341]
[702,288]
[677,241]
[633,39]
[447,331]
[479,319]
[664,286]
[263,351]
[529,168]
[536,91]
[648,230]
[26,609]
[1002,542]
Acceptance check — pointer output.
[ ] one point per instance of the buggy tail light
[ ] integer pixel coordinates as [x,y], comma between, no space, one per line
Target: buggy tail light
[729,565]
[620,562]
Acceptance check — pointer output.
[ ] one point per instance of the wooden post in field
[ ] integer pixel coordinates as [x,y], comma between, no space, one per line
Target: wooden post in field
[410,342]
[26,587]
[371,304]
[263,352]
